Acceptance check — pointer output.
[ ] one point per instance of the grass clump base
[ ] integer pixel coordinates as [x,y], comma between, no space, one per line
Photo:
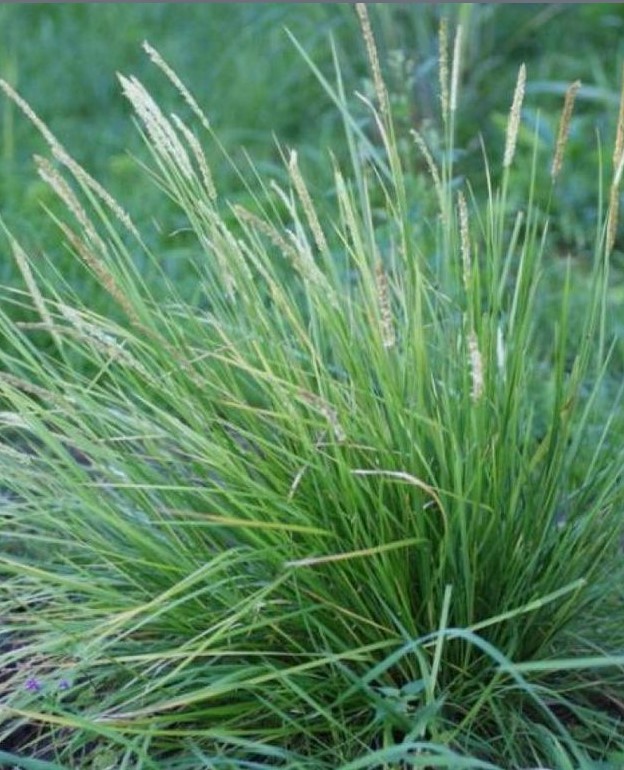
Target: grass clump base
[342,503]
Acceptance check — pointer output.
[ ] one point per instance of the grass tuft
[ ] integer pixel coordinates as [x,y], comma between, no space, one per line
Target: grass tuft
[335,507]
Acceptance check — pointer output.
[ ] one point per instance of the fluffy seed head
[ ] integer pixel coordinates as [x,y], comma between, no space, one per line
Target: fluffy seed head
[564,128]
[455,69]
[433,169]
[614,212]
[160,131]
[500,351]
[373,58]
[618,168]
[443,67]
[476,366]
[101,271]
[34,390]
[388,336]
[60,186]
[619,131]
[269,231]
[464,237]
[306,202]
[182,89]
[199,156]
[65,159]
[24,267]
[328,412]
[513,124]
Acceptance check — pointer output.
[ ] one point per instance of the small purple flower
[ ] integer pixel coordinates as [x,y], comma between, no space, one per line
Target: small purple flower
[32,684]
[64,684]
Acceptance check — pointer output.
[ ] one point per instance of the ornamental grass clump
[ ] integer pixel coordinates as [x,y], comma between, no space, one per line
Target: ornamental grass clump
[337,506]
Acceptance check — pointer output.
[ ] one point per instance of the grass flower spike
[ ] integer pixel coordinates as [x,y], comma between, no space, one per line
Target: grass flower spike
[513,124]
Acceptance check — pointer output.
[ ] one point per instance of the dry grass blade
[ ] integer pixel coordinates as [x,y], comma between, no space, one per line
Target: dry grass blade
[410,479]
[312,561]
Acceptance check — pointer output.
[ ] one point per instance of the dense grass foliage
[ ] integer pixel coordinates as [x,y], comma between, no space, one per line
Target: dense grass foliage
[350,497]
